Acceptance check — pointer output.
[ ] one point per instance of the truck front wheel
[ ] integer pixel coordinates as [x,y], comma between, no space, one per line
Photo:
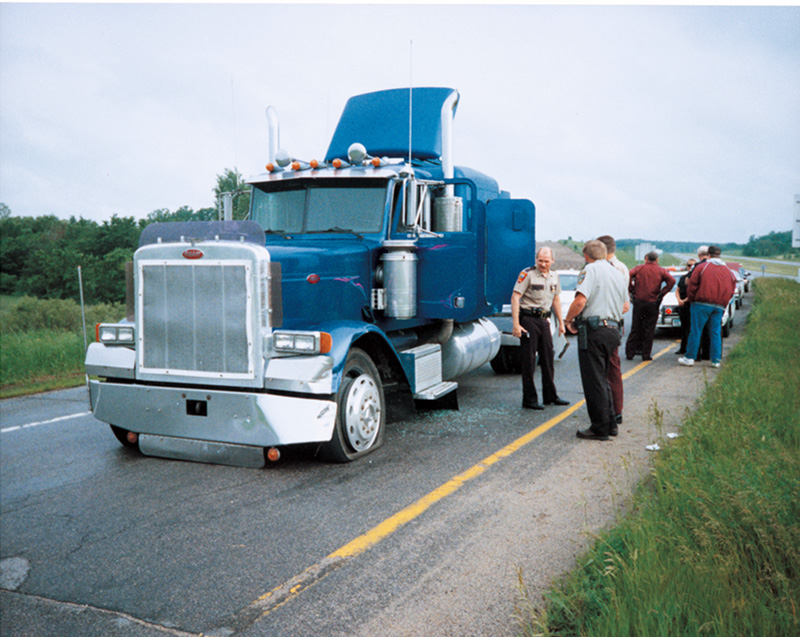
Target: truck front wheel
[361,411]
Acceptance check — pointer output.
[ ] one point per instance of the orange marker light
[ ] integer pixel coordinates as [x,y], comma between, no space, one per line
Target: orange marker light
[325,342]
[273,454]
[376,161]
[337,163]
[270,167]
[314,163]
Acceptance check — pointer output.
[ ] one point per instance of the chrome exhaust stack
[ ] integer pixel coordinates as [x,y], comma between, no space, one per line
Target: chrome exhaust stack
[448,209]
[274,133]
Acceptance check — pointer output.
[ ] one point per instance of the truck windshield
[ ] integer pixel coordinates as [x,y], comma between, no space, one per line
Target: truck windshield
[352,206]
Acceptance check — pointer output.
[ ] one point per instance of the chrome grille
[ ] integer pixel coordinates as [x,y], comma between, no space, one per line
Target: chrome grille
[195,317]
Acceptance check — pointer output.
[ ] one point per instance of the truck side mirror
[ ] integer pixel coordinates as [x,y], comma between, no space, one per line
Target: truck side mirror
[410,201]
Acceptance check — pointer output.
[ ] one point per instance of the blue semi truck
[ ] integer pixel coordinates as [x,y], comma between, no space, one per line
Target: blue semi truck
[358,284]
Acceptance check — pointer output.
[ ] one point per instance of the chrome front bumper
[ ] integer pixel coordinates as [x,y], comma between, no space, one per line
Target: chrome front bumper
[240,418]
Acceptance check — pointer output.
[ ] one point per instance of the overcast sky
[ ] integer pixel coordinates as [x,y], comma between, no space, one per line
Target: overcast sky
[640,121]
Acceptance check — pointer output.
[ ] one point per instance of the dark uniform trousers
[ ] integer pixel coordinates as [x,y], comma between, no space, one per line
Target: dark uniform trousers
[643,328]
[594,362]
[615,381]
[538,339]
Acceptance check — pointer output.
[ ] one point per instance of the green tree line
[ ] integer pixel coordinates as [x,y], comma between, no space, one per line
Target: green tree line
[769,245]
[40,256]
[688,247]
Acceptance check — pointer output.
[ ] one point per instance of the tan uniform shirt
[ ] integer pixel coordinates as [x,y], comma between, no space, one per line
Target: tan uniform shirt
[537,289]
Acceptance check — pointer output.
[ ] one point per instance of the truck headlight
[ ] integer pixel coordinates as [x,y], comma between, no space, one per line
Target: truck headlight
[301,342]
[115,334]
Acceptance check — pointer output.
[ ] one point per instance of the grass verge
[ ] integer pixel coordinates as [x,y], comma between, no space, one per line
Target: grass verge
[42,343]
[713,545]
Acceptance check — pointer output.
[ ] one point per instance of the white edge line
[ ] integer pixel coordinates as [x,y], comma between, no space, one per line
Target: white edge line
[44,422]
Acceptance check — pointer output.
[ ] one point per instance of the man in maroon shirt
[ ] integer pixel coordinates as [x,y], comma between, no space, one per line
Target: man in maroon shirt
[649,283]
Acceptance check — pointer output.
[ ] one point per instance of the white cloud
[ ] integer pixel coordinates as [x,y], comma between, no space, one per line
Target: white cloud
[671,122]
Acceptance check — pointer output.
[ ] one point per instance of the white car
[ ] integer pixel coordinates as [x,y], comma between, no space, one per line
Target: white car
[744,274]
[569,281]
[738,295]
[669,316]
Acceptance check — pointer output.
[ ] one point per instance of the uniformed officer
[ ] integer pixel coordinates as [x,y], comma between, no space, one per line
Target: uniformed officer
[534,299]
[595,315]
[615,367]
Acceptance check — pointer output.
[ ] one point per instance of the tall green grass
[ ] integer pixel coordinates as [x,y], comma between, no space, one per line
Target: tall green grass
[42,343]
[713,547]
[39,354]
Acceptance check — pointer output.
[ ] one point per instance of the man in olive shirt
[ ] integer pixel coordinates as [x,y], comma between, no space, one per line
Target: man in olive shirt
[595,315]
[534,299]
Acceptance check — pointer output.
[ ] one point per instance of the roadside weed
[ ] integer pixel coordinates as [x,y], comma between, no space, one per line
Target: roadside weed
[712,546]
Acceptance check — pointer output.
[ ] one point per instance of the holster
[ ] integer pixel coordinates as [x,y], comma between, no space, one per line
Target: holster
[583,334]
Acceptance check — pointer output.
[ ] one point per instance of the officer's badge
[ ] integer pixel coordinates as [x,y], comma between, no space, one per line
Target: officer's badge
[522,276]
[581,276]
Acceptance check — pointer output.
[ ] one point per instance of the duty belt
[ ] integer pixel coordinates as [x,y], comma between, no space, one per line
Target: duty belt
[595,321]
[535,312]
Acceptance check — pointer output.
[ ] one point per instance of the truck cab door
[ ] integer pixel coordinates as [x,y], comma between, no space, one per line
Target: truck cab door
[510,246]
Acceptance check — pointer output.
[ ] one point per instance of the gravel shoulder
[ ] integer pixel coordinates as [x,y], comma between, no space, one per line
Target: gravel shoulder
[536,529]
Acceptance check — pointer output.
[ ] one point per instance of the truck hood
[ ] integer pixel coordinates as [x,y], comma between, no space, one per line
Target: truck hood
[323,279]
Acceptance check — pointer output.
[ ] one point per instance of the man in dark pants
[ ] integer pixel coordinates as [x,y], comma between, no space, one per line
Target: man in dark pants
[649,283]
[615,367]
[595,315]
[534,298]
[684,306]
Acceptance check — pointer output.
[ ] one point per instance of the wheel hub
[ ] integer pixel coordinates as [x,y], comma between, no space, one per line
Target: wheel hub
[362,413]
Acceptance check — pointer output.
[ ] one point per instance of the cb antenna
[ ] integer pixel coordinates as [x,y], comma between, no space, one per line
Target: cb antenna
[410,94]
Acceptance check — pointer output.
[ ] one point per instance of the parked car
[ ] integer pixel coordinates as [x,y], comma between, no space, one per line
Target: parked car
[569,281]
[738,295]
[669,317]
[744,274]
[727,317]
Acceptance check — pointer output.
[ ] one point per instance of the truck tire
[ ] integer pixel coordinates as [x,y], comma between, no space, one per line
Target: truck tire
[507,361]
[360,413]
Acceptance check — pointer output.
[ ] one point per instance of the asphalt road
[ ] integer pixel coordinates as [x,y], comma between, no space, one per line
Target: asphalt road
[98,540]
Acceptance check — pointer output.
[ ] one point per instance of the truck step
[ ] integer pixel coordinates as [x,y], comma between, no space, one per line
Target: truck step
[436,391]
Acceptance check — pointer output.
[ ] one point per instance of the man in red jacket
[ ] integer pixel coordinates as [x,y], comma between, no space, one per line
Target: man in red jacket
[711,287]
[649,282]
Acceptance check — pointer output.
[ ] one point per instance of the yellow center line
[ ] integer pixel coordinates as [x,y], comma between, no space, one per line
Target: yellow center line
[644,364]
[391,524]
[281,594]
